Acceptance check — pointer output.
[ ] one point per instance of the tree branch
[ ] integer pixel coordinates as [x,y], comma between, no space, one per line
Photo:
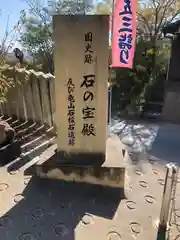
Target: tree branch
[145,22]
[168,4]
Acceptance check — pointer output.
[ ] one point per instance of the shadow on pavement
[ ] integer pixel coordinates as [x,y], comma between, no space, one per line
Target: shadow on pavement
[158,140]
[51,209]
[166,144]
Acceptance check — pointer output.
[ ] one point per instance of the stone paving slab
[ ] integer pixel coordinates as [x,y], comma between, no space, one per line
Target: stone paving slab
[33,209]
[39,209]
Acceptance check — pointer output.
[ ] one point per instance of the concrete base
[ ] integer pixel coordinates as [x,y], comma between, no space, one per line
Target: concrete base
[111,173]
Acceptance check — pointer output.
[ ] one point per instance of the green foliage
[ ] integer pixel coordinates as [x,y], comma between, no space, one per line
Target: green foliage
[36,36]
[136,86]
[6,82]
[9,37]
[71,7]
[145,82]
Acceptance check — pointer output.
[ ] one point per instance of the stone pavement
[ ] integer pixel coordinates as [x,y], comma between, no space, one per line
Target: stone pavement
[37,209]
[34,209]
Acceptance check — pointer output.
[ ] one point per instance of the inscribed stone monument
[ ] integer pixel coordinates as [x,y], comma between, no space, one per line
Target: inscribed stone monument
[81,85]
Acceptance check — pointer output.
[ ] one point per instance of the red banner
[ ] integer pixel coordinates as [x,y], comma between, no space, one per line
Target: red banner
[124,33]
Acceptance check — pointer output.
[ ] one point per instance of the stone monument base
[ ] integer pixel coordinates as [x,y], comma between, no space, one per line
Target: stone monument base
[110,174]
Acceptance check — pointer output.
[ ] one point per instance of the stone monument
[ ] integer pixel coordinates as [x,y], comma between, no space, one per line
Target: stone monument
[81,84]
[83,152]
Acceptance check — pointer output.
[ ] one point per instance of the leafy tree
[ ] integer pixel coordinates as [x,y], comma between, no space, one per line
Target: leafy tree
[136,86]
[152,52]
[152,17]
[36,36]
[71,7]
[131,86]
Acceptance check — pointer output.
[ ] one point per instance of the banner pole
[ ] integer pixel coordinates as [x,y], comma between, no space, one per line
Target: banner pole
[111,71]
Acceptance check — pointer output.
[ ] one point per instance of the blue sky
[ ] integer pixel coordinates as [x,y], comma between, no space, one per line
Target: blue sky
[12,9]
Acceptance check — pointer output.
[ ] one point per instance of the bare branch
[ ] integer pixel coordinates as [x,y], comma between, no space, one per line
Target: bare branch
[6,42]
[145,22]
[161,24]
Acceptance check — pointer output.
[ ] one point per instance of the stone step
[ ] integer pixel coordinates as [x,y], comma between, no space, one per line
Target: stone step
[9,152]
[29,142]
[30,151]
